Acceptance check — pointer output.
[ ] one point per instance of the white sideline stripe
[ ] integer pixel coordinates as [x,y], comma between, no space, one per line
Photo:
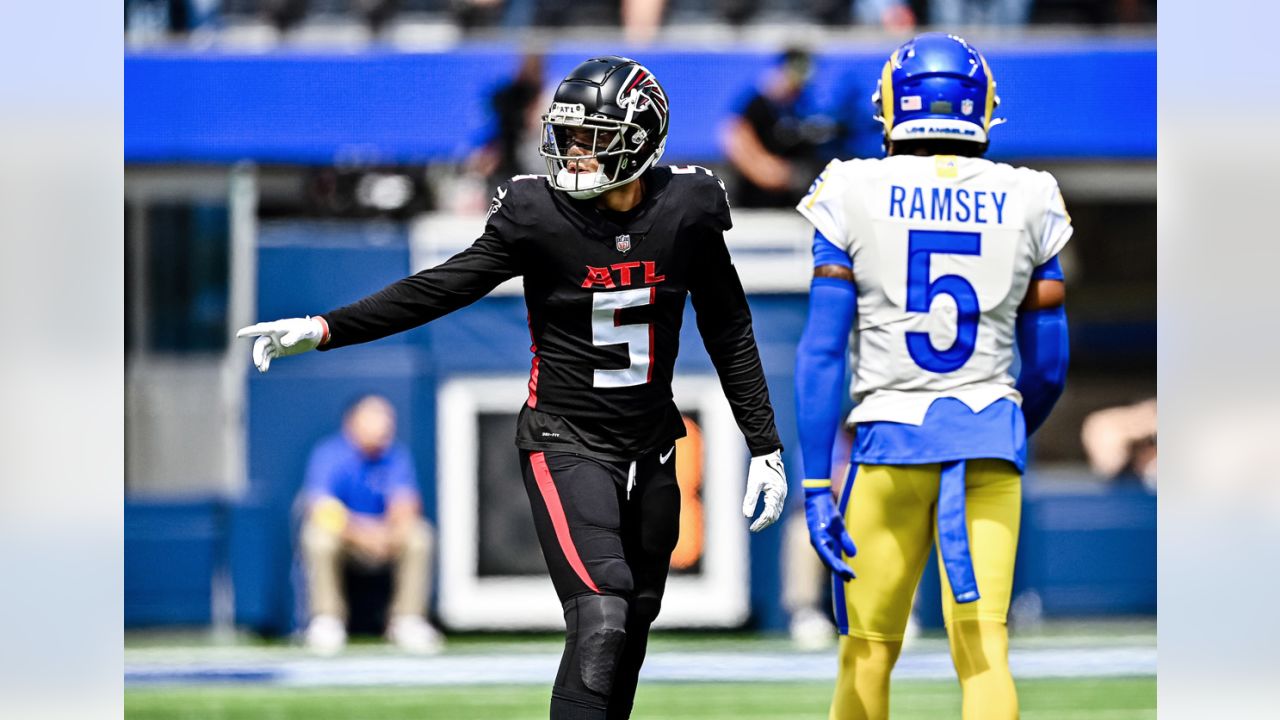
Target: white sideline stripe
[540,668]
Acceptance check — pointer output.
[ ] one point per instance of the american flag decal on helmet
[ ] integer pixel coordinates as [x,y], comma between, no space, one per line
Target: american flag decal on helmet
[642,92]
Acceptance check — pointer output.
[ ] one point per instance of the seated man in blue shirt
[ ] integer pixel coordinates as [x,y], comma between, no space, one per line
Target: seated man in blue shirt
[362,505]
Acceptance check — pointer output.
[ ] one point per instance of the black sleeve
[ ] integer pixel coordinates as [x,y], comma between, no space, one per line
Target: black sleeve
[425,296]
[724,321]
[760,116]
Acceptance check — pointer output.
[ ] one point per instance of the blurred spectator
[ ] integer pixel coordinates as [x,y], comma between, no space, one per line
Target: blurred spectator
[511,147]
[283,14]
[363,507]
[1120,442]
[376,13]
[641,19]
[773,139]
[471,14]
[896,15]
[893,15]
[153,20]
[952,13]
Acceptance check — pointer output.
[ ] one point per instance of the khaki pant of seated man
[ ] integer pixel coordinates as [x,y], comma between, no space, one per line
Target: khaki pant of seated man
[324,552]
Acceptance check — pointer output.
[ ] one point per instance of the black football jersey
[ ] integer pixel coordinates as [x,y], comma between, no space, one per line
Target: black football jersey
[605,293]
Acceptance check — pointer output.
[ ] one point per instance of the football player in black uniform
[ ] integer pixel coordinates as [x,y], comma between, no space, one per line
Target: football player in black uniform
[609,246]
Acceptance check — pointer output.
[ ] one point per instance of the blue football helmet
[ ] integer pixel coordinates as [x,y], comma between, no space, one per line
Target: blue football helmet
[936,86]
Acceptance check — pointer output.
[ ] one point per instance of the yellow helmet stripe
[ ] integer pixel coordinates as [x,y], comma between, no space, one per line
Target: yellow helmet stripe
[886,92]
[991,95]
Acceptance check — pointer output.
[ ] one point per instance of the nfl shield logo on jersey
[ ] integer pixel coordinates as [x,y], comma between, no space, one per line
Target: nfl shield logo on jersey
[966,106]
[623,243]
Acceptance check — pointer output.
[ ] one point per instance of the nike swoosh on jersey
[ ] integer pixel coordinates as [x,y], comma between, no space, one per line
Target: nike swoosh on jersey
[664,457]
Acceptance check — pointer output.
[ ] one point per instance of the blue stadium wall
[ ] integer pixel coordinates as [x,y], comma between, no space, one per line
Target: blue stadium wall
[1064,99]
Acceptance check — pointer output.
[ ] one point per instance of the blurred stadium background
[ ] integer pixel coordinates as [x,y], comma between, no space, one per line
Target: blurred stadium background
[286,156]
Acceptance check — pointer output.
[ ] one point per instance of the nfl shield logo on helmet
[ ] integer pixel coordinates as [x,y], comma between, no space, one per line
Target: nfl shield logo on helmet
[966,106]
[623,243]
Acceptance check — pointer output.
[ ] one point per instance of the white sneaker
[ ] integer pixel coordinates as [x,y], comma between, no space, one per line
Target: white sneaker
[326,635]
[811,630]
[414,635]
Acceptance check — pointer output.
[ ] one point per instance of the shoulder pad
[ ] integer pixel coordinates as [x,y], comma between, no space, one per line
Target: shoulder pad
[510,202]
[706,193]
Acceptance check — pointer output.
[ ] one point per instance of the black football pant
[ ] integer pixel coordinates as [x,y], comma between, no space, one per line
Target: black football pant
[607,530]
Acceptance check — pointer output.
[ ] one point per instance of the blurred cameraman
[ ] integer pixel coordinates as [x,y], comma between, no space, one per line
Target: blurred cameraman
[773,139]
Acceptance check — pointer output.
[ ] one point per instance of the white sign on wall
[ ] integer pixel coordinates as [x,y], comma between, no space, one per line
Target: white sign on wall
[709,592]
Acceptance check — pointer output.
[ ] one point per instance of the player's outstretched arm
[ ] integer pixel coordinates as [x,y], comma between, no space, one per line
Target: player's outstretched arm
[427,295]
[821,359]
[1042,345]
[402,305]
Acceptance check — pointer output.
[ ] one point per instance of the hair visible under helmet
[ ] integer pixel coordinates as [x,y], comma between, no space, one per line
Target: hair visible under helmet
[614,109]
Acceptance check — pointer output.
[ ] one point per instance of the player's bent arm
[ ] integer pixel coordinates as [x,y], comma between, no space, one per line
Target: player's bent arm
[821,359]
[1043,345]
[1044,294]
[724,322]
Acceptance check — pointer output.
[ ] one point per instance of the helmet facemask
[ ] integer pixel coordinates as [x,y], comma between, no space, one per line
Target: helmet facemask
[587,156]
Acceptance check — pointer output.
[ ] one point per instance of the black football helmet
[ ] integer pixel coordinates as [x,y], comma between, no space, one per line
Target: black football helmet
[608,109]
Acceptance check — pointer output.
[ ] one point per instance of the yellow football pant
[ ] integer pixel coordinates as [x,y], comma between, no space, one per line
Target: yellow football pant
[891,516]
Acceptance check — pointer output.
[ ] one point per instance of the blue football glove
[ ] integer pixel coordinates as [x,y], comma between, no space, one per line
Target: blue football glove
[826,528]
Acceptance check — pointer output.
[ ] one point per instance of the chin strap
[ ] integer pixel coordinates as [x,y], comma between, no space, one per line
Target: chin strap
[572,183]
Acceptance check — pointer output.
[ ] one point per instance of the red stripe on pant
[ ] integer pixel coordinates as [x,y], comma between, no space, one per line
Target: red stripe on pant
[551,497]
[533,368]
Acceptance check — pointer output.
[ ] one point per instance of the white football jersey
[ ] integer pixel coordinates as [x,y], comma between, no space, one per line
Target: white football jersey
[943,248]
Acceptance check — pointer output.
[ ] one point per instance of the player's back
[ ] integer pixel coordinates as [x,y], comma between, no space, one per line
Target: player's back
[943,248]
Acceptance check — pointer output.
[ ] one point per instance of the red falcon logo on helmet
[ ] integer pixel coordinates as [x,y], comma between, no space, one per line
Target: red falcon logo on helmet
[642,92]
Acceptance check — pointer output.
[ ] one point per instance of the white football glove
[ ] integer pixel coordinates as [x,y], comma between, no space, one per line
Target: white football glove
[766,477]
[282,338]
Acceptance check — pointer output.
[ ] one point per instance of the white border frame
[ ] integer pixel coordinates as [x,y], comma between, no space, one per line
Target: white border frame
[718,597]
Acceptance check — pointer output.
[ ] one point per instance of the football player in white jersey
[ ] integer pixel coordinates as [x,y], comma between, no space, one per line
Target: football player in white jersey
[939,263]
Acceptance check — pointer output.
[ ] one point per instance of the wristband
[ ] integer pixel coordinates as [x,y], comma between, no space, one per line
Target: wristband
[324,335]
[813,487]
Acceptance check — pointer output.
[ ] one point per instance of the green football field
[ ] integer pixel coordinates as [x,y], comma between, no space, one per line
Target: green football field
[1045,699]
